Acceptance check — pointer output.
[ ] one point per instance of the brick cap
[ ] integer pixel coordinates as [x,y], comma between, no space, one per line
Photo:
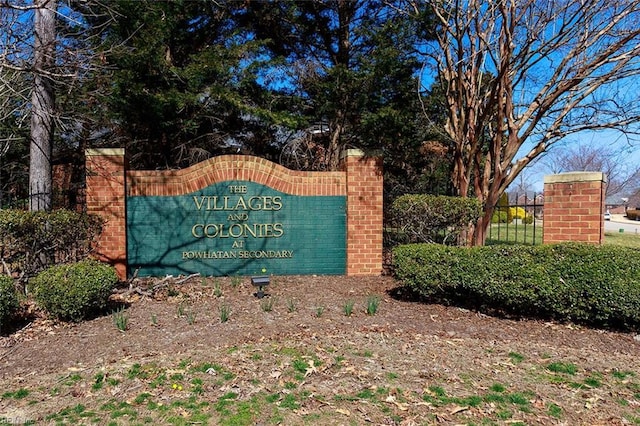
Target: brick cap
[576,177]
[353,153]
[103,152]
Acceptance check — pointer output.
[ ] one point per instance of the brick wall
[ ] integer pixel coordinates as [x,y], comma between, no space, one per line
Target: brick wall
[105,195]
[364,213]
[573,207]
[360,180]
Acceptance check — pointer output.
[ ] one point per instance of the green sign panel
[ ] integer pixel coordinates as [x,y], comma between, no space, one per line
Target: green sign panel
[236,228]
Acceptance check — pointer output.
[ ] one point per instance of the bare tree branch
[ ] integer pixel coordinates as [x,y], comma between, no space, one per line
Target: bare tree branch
[521,75]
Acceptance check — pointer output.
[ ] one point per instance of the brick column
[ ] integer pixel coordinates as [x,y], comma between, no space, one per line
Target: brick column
[364,213]
[105,196]
[573,207]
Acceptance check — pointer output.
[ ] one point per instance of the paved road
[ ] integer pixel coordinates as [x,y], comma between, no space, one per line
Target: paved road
[618,222]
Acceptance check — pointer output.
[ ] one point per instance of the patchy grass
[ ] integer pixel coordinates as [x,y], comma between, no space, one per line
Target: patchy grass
[524,234]
[287,386]
[623,239]
[515,233]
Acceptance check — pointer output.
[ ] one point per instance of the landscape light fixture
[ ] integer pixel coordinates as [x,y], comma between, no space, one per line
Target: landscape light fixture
[260,281]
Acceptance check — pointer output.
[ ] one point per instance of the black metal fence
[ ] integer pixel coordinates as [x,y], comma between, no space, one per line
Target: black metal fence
[70,197]
[520,222]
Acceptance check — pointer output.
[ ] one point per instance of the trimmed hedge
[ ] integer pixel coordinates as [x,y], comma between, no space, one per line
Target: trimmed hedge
[593,285]
[9,302]
[430,218]
[499,217]
[633,214]
[32,241]
[74,291]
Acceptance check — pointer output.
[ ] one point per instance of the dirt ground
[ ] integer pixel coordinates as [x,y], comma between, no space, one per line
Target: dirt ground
[407,354]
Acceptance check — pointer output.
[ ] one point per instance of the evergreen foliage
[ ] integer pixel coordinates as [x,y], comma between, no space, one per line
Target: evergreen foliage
[594,285]
[32,241]
[430,218]
[9,302]
[186,83]
[295,82]
[74,291]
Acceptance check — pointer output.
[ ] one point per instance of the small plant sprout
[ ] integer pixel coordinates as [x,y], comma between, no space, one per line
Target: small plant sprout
[348,308]
[267,304]
[372,305]
[154,319]
[516,358]
[291,306]
[319,311]
[217,290]
[225,312]
[191,317]
[235,281]
[181,310]
[121,319]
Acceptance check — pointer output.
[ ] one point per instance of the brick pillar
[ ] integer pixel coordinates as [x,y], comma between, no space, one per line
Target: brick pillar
[364,213]
[573,207]
[105,195]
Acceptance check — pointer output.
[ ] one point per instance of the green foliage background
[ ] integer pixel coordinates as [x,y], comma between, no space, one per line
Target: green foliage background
[429,218]
[32,241]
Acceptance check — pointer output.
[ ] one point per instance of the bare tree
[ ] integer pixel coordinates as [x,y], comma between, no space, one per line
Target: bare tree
[520,75]
[31,50]
[622,176]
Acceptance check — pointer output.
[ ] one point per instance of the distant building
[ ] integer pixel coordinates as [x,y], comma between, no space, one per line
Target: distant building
[532,202]
[619,205]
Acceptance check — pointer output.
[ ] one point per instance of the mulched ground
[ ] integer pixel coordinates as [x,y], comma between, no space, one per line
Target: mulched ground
[421,344]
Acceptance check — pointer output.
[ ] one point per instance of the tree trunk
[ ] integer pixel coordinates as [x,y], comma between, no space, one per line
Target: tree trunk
[334,150]
[42,99]
[481,227]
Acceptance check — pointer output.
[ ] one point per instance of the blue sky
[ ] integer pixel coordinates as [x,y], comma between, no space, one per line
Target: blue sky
[534,174]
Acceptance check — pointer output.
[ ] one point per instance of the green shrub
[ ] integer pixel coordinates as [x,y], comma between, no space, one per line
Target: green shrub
[499,217]
[503,206]
[9,302]
[32,241]
[594,285]
[528,220]
[74,291]
[431,218]
[517,212]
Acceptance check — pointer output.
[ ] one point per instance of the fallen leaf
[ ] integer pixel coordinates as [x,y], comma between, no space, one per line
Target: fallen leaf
[311,369]
[275,374]
[401,406]
[538,403]
[343,411]
[457,410]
